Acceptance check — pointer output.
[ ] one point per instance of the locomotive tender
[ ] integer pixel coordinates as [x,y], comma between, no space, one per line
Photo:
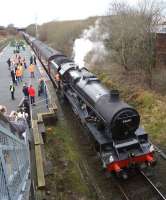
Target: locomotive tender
[113,125]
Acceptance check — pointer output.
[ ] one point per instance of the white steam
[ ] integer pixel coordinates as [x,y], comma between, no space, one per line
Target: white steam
[91,40]
[81,47]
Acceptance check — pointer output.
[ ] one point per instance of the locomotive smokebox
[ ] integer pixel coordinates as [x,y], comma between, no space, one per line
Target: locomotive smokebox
[114,95]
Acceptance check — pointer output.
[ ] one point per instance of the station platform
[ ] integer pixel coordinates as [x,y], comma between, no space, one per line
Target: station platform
[42,106]
[5,79]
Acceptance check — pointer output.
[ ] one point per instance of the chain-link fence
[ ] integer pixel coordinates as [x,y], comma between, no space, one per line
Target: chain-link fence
[14,163]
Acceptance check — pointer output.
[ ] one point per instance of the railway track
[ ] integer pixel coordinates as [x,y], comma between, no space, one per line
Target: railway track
[162,197]
[124,195]
[159,194]
[160,152]
[127,195]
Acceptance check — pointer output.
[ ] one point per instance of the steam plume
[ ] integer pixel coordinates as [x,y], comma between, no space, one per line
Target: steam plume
[91,40]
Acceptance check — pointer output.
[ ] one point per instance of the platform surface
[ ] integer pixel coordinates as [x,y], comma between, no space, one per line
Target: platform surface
[5,95]
[5,79]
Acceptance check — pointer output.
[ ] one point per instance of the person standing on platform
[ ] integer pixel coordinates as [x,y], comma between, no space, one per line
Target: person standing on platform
[34,59]
[18,75]
[24,63]
[31,60]
[41,86]
[9,63]
[13,76]
[12,90]
[20,67]
[12,73]
[25,90]
[32,92]
[32,70]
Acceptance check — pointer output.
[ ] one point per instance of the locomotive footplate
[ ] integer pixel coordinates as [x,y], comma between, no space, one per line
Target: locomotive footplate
[100,138]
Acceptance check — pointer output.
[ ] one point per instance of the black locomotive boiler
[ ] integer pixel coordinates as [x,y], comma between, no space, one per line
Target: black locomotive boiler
[113,125]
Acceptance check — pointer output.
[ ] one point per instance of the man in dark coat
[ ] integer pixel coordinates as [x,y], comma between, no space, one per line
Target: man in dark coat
[34,59]
[31,60]
[9,63]
[12,90]
[13,76]
[25,90]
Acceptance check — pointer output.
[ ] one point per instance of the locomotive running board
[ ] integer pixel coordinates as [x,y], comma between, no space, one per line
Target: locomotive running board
[100,138]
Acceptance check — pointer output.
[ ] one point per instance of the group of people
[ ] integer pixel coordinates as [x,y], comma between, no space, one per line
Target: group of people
[18,119]
[17,65]
[29,92]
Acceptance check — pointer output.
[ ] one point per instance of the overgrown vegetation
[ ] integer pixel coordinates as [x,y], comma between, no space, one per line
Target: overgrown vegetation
[132,35]
[130,38]
[66,182]
[61,35]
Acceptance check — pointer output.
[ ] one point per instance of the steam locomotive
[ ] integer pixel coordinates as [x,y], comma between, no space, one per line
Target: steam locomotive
[113,125]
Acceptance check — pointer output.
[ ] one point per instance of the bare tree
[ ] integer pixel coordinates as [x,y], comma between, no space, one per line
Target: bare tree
[31,29]
[43,34]
[11,29]
[132,34]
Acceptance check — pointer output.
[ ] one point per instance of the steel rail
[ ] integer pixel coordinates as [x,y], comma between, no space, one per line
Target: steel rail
[119,187]
[152,184]
[160,152]
[123,192]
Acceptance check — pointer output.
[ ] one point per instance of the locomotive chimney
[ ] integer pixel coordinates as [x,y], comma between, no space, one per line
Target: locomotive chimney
[114,95]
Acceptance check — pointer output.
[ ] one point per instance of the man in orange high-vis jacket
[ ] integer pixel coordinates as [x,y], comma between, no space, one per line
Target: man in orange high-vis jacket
[20,67]
[18,75]
[32,70]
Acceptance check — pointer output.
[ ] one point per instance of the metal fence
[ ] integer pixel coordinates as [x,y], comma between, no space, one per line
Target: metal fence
[14,163]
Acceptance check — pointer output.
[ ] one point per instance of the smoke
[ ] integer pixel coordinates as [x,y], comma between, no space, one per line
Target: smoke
[81,47]
[91,43]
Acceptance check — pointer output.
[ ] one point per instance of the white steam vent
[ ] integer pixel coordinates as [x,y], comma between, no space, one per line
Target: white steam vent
[91,40]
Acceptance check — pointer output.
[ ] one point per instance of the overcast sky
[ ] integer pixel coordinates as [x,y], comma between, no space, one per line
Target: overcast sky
[25,12]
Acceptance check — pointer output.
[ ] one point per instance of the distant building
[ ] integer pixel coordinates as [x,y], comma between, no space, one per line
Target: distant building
[161,46]
[3,31]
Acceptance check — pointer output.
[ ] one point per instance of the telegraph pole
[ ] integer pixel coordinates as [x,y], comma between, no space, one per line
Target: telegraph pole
[36,27]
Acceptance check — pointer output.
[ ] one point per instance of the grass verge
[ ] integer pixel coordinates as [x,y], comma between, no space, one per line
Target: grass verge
[66,181]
